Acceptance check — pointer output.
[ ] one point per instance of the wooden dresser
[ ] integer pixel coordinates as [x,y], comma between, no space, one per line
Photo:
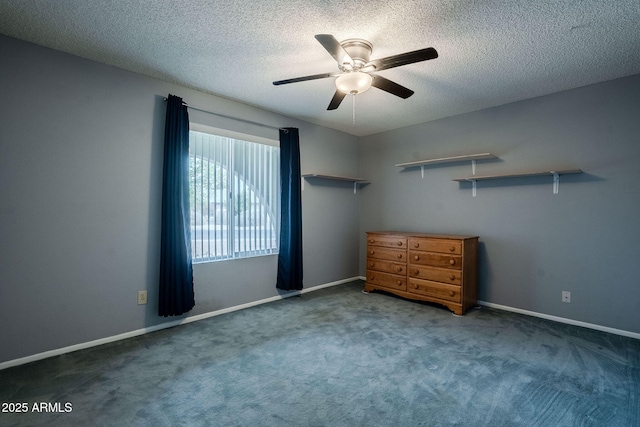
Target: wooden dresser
[426,267]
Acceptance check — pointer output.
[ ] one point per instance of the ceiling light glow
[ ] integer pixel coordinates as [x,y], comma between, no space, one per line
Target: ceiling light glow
[354,82]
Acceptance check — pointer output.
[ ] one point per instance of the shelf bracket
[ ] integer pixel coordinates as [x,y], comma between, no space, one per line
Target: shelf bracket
[556,182]
[355,187]
[473,181]
[422,171]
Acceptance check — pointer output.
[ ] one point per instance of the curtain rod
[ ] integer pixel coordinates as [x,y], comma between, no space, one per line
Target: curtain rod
[228,117]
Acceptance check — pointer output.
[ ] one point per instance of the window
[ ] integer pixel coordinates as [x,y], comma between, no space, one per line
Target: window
[234,189]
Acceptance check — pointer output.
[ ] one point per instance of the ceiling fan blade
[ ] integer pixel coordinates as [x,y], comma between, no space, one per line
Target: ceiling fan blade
[305,78]
[336,100]
[401,59]
[334,47]
[391,87]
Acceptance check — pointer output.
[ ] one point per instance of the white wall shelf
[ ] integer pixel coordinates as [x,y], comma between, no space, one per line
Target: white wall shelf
[555,173]
[354,180]
[453,159]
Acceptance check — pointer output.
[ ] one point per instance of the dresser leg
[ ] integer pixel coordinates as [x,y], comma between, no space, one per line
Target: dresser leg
[456,310]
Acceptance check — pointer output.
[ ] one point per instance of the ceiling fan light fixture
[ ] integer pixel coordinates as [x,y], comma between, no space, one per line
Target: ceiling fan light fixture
[354,82]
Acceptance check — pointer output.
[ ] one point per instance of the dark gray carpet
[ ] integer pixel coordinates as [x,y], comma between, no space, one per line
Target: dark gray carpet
[338,357]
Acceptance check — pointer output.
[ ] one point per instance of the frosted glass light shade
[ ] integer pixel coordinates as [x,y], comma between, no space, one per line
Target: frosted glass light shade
[354,82]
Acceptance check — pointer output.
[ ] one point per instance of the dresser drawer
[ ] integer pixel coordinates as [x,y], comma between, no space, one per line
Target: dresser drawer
[388,241]
[435,259]
[386,266]
[453,277]
[436,245]
[435,289]
[387,280]
[390,254]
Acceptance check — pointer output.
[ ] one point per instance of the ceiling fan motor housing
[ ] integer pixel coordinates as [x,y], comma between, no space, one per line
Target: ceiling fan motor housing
[359,50]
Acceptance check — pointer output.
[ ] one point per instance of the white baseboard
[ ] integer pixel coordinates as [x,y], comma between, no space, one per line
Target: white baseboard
[561,320]
[556,319]
[264,301]
[89,344]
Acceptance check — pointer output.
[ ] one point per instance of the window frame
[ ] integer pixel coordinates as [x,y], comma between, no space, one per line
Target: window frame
[236,244]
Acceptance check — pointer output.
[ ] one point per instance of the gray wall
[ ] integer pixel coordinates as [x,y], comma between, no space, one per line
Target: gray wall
[80,177]
[534,244]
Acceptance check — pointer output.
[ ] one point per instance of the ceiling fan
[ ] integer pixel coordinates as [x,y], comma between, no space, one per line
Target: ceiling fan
[355,75]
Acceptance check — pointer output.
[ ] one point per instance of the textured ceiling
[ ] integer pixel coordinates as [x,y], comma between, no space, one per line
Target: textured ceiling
[491,52]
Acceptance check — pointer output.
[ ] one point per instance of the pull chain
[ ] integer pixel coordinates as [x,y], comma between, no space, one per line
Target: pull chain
[353,108]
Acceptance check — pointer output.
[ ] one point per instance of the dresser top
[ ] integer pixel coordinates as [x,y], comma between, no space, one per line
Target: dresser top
[414,234]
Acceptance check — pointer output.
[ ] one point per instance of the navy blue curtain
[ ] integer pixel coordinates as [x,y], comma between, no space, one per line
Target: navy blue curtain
[176,294]
[290,255]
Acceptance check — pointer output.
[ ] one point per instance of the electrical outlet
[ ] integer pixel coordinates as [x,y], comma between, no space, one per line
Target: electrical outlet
[142,297]
[566,296]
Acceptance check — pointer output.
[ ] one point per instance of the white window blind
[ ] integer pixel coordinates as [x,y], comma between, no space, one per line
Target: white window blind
[234,188]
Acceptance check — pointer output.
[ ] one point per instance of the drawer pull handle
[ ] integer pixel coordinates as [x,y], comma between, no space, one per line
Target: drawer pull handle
[372,252]
[417,272]
[416,245]
[451,293]
[399,282]
[399,269]
[452,277]
[399,255]
[372,277]
[416,286]
[372,241]
[417,257]
[452,261]
[399,242]
[452,248]
[371,264]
